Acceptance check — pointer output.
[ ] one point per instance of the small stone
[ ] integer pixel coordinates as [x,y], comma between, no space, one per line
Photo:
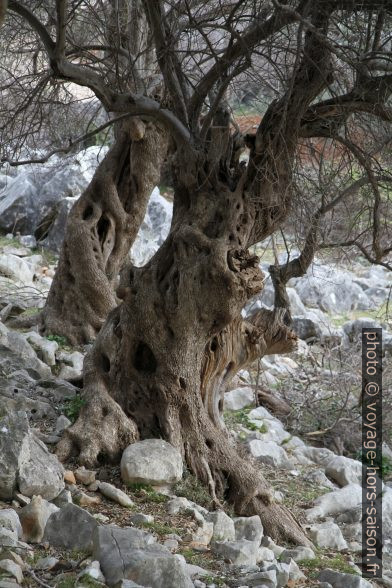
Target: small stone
[344,470]
[115,494]
[265,579]
[265,554]
[83,499]
[46,563]
[101,518]
[28,241]
[328,534]
[223,526]
[295,573]
[84,476]
[276,549]
[65,497]
[15,557]
[23,500]
[242,552]
[9,520]
[239,398]
[270,453]
[92,571]
[152,461]
[62,423]
[12,569]
[171,544]
[8,538]
[34,517]
[139,518]
[298,554]
[94,487]
[8,584]
[282,573]
[249,528]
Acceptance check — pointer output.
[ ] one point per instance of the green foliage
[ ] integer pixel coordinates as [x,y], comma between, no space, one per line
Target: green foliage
[161,528]
[72,407]
[190,487]
[214,580]
[193,557]
[88,582]
[66,582]
[146,493]
[59,339]
[240,417]
[323,561]
[13,242]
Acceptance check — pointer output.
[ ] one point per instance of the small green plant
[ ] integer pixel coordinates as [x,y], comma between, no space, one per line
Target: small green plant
[161,528]
[193,557]
[240,417]
[66,582]
[59,339]
[214,580]
[72,407]
[190,487]
[322,561]
[88,582]
[146,493]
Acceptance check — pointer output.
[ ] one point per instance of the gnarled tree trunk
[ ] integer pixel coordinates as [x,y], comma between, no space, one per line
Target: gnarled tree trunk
[101,228]
[159,363]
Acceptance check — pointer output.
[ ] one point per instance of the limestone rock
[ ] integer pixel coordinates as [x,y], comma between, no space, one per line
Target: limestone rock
[329,535]
[132,554]
[336,502]
[249,528]
[34,517]
[339,580]
[241,552]
[298,554]
[239,398]
[224,529]
[152,461]
[114,494]
[12,569]
[9,520]
[270,453]
[70,528]
[85,476]
[344,470]
[26,461]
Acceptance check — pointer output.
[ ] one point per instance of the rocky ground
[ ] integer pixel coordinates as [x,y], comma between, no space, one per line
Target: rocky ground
[148,522]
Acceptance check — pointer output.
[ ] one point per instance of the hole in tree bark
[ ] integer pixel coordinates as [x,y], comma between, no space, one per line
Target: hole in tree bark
[144,359]
[102,228]
[209,443]
[88,212]
[183,383]
[214,344]
[105,363]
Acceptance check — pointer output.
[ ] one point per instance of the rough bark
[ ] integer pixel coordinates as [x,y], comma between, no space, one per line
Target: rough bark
[3,10]
[101,228]
[159,362]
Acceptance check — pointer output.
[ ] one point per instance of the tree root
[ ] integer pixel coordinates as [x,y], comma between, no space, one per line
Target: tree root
[24,322]
[102,430]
